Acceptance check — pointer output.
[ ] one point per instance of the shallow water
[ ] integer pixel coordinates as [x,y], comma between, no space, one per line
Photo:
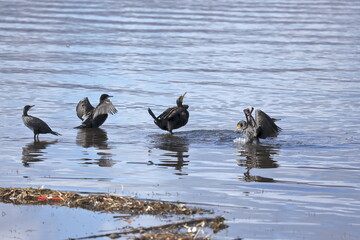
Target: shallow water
[295,60]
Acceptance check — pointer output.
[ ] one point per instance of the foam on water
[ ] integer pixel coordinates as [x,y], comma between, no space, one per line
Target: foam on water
[239,140]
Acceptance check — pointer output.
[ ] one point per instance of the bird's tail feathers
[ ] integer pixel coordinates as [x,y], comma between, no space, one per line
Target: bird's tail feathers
[55,133]
[152,114]
[275,119]
[279,129]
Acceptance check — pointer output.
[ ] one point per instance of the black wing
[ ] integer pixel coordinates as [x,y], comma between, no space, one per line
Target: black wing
[83,108]
[38,125]
[265,125]
[168,113]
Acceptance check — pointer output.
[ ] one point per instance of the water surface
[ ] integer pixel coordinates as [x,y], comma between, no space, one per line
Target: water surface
[295,60]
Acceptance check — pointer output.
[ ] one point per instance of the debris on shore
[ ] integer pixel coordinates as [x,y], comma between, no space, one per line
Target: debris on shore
[170,231]
[186,229]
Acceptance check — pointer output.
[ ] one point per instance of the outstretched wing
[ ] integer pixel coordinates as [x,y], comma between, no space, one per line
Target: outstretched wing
[83,108]
[105,107]
[265,125]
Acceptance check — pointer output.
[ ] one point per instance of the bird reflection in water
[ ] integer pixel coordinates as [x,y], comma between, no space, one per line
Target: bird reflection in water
[174,147]
[257,156]
[33,152]
[96,138]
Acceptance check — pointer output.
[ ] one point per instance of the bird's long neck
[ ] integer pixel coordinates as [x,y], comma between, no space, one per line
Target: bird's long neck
[25,112]
[179,103]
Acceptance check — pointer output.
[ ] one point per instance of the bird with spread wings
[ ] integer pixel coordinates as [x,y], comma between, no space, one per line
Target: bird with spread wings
[262,126]
[94,117]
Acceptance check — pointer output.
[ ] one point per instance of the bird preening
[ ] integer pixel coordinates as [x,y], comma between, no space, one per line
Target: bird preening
[94,117]
[172,118]
[35,124]
[263,126]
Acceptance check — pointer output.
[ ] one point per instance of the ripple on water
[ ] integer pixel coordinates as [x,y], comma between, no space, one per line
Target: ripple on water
[296,60]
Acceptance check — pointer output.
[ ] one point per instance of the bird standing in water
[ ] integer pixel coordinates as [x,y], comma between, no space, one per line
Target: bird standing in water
[172,118]
[94,117]
[35,124]
[263,126]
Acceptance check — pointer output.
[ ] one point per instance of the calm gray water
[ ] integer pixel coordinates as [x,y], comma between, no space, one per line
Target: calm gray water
[296,60]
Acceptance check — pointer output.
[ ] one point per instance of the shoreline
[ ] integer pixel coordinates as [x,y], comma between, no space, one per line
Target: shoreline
[189,227]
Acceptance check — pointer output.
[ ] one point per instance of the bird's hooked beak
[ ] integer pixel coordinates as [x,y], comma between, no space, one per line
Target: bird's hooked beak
[238,127]
[181,98]
[27,108]
[107,98]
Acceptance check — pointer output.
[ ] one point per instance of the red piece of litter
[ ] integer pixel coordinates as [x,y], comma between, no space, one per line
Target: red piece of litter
[43,198]
[57,199]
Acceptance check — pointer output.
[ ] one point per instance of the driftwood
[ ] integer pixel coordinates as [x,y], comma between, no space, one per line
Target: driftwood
[164,231]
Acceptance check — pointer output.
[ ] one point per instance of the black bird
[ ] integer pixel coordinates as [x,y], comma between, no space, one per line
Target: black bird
[172,118]
[94,117]
[263,126]
[35,124]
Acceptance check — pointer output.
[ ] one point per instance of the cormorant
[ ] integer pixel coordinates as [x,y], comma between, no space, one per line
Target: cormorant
[262,126]
[35,124]
[172,118]
[94,117]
